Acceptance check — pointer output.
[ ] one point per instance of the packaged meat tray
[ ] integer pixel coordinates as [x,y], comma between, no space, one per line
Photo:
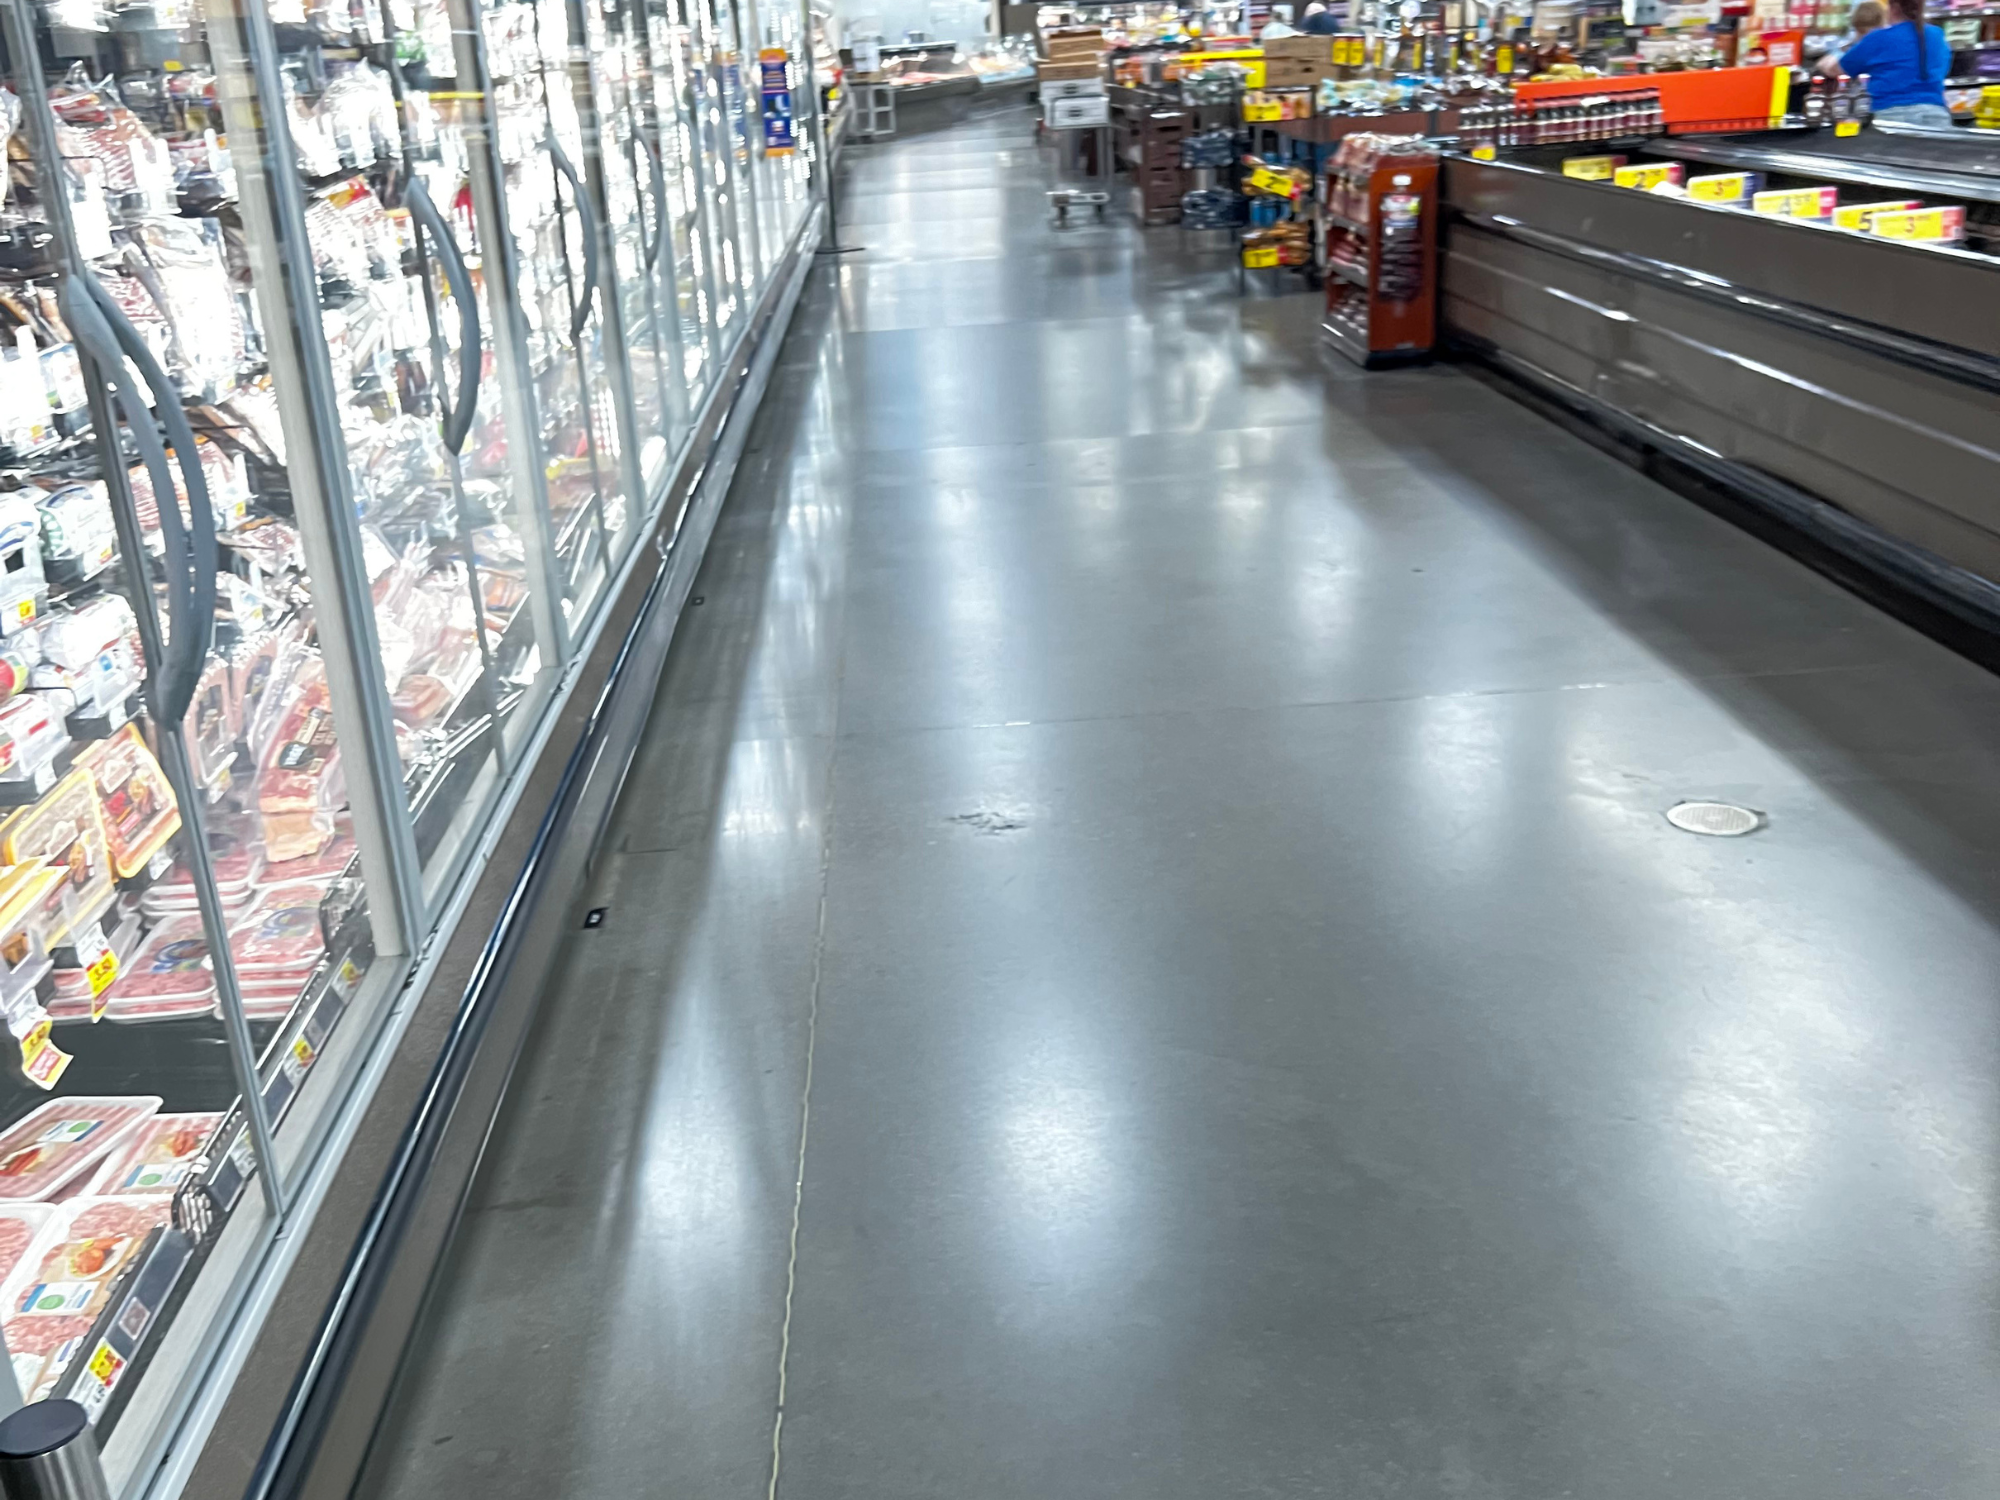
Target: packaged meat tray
[170,975]
[322,868]
[24,957]
[19,1224]
[49,1148]
[283,934]
[31,737]
[156,1159]
[139,810]
[64,829]
[77,1259]
[237,866]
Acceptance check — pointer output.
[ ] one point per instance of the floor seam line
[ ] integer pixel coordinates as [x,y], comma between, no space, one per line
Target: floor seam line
[1608,684]
[805,1090]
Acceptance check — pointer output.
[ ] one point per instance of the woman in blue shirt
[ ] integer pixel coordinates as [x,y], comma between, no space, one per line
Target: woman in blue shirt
[1906,63]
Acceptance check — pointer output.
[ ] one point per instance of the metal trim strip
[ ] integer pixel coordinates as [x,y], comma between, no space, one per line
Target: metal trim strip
[1960,365]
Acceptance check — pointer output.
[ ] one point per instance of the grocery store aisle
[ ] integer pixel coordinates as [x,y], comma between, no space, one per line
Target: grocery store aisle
[1188,816]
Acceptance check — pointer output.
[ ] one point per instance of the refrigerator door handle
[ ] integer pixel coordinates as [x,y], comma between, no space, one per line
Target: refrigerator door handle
[95,317]
[581,314]
[459,414]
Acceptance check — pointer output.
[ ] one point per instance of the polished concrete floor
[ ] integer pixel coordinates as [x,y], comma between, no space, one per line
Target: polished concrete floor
[1145,959]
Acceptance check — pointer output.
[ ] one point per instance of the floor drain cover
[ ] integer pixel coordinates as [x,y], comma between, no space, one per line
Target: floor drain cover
[1722,820]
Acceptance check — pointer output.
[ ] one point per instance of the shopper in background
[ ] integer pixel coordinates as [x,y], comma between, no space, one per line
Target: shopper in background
[1866,17]
[1906,63]
[1319,21]
[1280,24]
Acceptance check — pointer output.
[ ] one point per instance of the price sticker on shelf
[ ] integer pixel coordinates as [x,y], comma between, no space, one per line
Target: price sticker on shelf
[1847,127]
[1255,113]
[100,966]
[298,1057]
[41,1059]
[1282,184]
[99,1378]
[1258,257]
[1484,153]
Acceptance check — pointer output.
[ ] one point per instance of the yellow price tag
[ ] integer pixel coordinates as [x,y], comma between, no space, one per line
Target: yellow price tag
[1484,153]
[302,1050]
[105,1363]
[25,611]
[1255,112]
[1847,127]
[1258,257]
[1265,180]
[41,1059]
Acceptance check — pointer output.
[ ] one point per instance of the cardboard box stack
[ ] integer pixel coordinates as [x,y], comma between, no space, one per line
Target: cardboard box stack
[1297,61]
[1073,53]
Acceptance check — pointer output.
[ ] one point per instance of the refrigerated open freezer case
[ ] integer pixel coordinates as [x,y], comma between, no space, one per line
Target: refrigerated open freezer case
[1839,378]
[369,376]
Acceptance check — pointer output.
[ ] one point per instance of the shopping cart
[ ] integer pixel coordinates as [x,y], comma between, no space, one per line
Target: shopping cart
[1081,128]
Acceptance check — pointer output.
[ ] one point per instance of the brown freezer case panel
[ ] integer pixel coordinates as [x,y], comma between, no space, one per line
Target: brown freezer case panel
[1850,368]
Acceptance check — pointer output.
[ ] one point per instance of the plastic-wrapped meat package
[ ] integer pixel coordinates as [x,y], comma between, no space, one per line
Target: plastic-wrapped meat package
[140,814]
[75,638]
[64,829]
[318,156]
[90,658]
[228,483]
[31,737]
[46,1150]
[170,975]
[92,652]
[19,1224]
[83,1251]
[358,110]
[238,866]
[138,168]
[79,538]
[321,868]
[255,407]
[212,725]
[183,258]
[264,675]
[296,776]
[227,507]
[421,700]
[270,545]
[158,1158]
[280,944]
[350,239]
[251,664]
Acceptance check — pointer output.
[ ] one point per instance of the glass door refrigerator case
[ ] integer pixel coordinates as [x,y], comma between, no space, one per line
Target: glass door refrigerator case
[320,326]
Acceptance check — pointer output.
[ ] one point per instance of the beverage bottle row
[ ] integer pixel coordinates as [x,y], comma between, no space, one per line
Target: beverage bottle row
[1597,117]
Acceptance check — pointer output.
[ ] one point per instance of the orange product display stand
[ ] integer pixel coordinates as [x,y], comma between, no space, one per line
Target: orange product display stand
[1702,99]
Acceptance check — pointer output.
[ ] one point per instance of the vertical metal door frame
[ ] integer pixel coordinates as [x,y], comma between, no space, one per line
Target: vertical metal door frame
[610,293]
[511,357]
[273,210]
